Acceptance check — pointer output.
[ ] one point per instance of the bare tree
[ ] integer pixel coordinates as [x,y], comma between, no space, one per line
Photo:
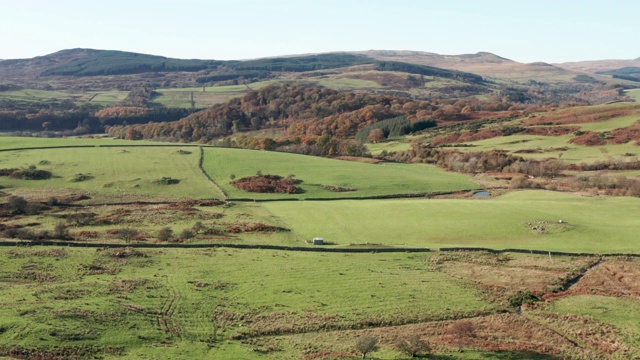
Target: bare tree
[413,345]
[366,344]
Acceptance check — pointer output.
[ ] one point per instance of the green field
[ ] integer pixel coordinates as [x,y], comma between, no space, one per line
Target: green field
[36,96]
[13,142]
[550,146]
[389,146]
[622,313]
[181,97]
[314,172]
[141,307]
[635,94]
[116,171]
[344,84]
[597,225]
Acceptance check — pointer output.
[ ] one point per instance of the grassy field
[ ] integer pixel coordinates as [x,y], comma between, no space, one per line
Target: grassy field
[14,142]
[550,146]
[314,172]
[138,306]
[115,171]
[34,95]
[389,146]
[591,224]
[344,84]
[635,94]
[623,314]
[181,97]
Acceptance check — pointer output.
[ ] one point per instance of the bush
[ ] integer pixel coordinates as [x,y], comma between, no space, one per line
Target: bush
[31,173]
[267,184]
[165,234]
[187,234]
[166,180]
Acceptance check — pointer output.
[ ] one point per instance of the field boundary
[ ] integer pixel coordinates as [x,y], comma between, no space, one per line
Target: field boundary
[207,246]
[305,249]
[427,195]
[200,161]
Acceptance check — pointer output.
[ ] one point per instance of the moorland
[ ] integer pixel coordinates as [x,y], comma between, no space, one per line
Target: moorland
[470,207]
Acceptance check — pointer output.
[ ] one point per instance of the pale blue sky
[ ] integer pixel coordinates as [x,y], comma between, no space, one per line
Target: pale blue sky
[522,30]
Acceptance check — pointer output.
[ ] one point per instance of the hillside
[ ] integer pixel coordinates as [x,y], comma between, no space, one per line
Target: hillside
[481,63]
[596,66]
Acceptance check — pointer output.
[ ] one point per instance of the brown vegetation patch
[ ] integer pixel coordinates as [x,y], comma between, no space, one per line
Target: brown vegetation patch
[269,184]
[466,136]
[581,115]
[598,337]
[624,135]
[611,278]
[503,276]
[550,130]
[589,138]
[495,333]
[238,228]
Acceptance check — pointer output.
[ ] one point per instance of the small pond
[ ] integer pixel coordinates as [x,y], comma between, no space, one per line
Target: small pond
[481,194]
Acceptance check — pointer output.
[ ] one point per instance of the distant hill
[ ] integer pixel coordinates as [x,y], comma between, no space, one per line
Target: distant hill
[631,73]
[109,62]
[598,66]
[481,63]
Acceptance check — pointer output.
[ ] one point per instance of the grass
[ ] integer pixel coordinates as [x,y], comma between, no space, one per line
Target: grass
[343,84]
[389,146]
[623,314]
[635,94]
[549,145]
[14,142]
[314,172]
[181,97]
[612,124]
[149,309]
[34,95]
[592,224]
[116,171]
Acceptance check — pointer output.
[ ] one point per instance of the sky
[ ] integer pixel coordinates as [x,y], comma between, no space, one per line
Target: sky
[521,30]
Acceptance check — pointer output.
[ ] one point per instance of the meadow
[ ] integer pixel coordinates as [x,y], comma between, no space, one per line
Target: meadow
[314,172]
[597,225]
[138,305]
[116,171]
[38,96]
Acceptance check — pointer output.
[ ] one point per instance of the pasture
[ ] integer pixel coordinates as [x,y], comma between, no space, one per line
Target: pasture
[314,172]
[37,96]
[523,219]
[543,147]
[120,172]
[136,305]
[181,97]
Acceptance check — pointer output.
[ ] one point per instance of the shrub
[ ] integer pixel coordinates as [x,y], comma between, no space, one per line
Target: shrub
[187,234]
[165,234]
[267,184]
[167,180]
